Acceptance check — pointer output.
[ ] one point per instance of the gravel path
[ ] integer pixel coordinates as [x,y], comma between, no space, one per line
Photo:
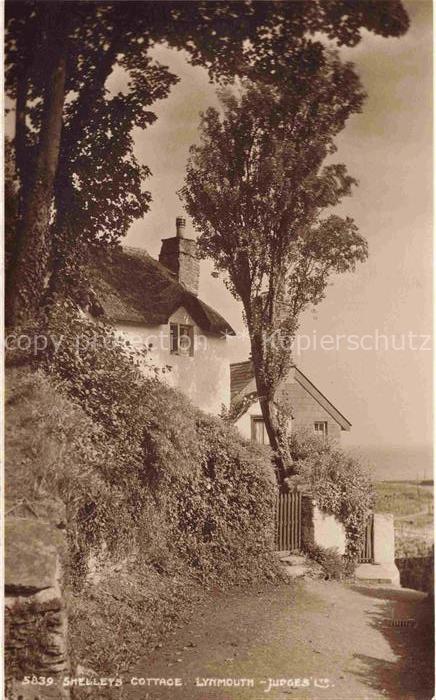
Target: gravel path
[307,639]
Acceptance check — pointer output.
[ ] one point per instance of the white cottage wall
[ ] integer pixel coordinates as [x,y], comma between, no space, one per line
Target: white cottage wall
[204,377]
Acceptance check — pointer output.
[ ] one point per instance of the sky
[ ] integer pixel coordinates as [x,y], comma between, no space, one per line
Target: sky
[384,387]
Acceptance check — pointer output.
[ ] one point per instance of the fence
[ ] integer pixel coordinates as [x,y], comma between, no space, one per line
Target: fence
[288,521]
[366,555]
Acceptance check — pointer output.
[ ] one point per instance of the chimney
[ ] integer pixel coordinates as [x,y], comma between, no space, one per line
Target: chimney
[180,227]
[179,254]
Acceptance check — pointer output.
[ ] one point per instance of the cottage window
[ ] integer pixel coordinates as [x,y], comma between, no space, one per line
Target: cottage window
[181,339]
[259,432]
[321,428]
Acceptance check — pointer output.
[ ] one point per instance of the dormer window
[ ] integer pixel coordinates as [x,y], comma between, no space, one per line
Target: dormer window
[181,339]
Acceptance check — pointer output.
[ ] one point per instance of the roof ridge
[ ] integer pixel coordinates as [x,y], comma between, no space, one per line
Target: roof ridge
[322,395]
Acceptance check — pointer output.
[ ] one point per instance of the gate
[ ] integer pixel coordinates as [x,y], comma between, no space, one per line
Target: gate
[366,555]
[288,521]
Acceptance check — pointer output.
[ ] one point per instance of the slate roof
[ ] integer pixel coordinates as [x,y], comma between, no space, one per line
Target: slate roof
[241,373]
[129,286]
[243,383]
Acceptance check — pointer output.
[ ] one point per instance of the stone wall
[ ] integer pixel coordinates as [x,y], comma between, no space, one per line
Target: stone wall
[417,572]
[305,408]
[36,653]
[180,256]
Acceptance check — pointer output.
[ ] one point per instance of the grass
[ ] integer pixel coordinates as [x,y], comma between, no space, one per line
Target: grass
[120,610]
[412,507]
[402,498]
[127,584]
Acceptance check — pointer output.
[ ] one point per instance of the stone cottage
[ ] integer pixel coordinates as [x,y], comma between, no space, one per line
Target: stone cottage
[311,410]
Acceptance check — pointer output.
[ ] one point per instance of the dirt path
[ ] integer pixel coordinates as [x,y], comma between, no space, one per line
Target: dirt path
[320,639]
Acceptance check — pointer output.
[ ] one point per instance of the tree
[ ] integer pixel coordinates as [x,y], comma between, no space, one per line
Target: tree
[59,56]
[10,202]
[256,189]
[31,250]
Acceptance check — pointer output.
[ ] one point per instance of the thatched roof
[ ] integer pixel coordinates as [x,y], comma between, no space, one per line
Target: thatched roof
[130,286]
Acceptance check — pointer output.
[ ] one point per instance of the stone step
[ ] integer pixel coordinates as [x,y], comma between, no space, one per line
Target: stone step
[378,573]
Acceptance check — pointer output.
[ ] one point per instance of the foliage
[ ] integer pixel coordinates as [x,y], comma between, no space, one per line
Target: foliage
[334,566]
[177,471]
[409,544]
[95,177]
[256,189]
[155,489]
[238,407]
[338,484]
[53,450]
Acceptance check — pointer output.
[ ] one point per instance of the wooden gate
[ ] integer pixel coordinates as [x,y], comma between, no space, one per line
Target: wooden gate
[288,521]
[366,555]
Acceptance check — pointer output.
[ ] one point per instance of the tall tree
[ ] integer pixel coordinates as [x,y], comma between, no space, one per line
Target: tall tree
[59,57]
[10,202]
[256,188]
[31,249]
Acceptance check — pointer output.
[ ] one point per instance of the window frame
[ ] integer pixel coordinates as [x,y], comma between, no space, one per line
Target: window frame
[176,335]
[324,432]
[259,419]
[174,338]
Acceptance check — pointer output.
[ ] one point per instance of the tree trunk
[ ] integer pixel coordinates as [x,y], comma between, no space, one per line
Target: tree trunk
[66,261]
[267,391]
[21,163]
[277,434]
[28,273]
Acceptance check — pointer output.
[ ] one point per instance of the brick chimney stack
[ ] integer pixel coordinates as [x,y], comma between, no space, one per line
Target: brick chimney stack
[180,227]
[179,254]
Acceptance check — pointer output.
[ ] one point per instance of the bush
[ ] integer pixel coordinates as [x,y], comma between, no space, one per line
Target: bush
[53,450]
[156,490]
[335,566]
[338,484]
[141,466]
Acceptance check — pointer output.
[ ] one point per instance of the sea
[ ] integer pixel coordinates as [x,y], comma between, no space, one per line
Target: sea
[396,463]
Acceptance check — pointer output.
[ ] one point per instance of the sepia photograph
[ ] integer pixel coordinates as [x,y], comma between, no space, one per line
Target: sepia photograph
[218,354]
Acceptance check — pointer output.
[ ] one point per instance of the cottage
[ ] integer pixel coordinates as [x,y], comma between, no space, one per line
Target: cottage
[311,410]
[155,303]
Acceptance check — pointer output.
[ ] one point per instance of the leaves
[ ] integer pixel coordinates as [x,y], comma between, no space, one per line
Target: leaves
[167,461]
[257,189]
[338,483]
[99,188]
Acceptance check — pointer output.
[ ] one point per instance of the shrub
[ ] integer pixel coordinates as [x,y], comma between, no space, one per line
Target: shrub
[338,484]
[161,498]
[54,450]
[335,566]
[182,484]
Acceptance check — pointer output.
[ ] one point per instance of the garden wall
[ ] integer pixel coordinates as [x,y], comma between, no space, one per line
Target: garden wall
[35,610]
[417,572]
[328,531]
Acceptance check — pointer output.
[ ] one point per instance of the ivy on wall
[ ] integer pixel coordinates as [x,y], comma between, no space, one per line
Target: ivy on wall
[338,483]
